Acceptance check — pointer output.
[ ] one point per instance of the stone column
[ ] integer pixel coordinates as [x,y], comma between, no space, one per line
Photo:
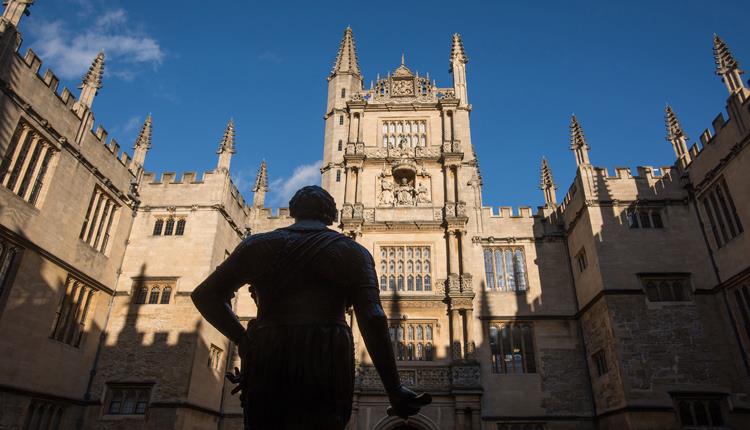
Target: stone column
[35,173]
[453,252]
[456,334]
[469,343]
[450,193]
[357,192]
[464,245]
[456,186]
[351,184]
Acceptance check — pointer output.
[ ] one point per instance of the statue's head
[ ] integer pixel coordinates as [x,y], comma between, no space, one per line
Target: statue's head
[313,202]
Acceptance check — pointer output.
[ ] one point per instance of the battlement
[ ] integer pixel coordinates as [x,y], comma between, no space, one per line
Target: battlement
[507,212]
[644,172]
[67,101]
[191,178]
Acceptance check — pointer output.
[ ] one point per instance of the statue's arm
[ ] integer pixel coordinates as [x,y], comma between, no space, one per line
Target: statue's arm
[212,297]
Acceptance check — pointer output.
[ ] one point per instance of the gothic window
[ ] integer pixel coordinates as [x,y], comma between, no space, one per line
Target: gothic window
[24,166]
[341,119]
[581,260]
[180,229]
[600,362]
[72,312]
[169,227]
[43,415]
[416,344]
[700,412]
[158,226]
[722,214]
[214,357]
[341,145]
[416,266]
[98,221]
[505,269]
[8,253]
[383,283]
[512,348]
[153,297]
[127,399]
[667,288]
[742,302]
[152,291]
[338,176]
[396,131]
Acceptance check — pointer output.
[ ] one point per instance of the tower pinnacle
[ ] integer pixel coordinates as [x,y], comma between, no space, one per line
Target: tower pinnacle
[726,66]
[226,148]
[346,59]
[142,145]
[261,186]
[458,69]
[457,50]
[675,135]
[14,9]
[548,185]
[578,142]
[91,82]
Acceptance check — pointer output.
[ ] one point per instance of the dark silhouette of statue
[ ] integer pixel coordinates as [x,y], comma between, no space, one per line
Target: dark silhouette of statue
[298,355]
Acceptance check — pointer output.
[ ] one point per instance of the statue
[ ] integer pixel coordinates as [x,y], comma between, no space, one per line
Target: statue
[386,192]
[422,194]
[297,367]
[405,193]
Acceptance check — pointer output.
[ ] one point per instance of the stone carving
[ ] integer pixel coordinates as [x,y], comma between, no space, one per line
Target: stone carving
[369,215]
[437,214]
[450,209]
[422,194]
[461,209]
[358,211]
[347,211]
[465,376]
[402,88]
[453,284]
[421,378]
[358,97]
[386,192]
[405,193]
[466,283]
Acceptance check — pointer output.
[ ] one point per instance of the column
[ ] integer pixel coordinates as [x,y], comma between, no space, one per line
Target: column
[456,184]
[469,333]
[456,335]
[35,172]
[450,193]
[452,252]
[464,244]
[357,194]
[350,184]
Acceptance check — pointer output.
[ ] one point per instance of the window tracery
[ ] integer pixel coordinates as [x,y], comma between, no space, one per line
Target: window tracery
[412,340]
[505,269]
[405,268]
[412,133]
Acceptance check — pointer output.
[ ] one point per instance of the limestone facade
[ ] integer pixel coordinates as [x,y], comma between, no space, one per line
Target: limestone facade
[624,306]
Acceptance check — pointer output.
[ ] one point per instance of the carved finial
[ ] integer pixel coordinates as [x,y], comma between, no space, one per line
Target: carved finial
[226,148]
[91,83]
[14,9]
[93,77]
[403,58]
[675,135]
[227,140]
[261,186]
[346,59]
[726,65]
[142,145]
[578,142]
[457,50]
[548,184]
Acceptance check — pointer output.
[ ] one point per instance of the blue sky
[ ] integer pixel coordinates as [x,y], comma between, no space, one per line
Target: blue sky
[194,64]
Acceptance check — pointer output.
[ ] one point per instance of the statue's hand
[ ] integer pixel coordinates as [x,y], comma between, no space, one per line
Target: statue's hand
[235,378]
[405,402]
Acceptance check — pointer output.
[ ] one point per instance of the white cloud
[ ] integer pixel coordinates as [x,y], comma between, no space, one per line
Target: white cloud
[270,57]
[69,54]
[283,189]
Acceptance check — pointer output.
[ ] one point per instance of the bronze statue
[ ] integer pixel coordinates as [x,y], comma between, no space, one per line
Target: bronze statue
[298,355]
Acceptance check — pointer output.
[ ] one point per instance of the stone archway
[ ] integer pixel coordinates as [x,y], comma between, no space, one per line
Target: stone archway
[416,422]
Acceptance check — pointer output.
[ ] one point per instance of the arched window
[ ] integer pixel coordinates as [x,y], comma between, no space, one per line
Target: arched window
[418,266]
[419,333]
[409,266]
[428,351]
[520,267]
[391,266]
[428,332]
[158,226]
[509,265]
[401,283]
[419,283]
[410,352]
[166,295]
[383,283]
[180,230]
[341,119]
[153,298]
[169,228]
[410,332]
[420,352]
[400,266]
[392,283]
[427,283]
[140,295]
[426,265]
[410,283]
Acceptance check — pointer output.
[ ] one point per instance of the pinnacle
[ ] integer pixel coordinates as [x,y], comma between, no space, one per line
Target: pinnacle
[346,59]
[457,50]
[227,140]
[144,137]
[674,129]
[94,75]
[261,178]
[546,176]
[577,138]
[723,57]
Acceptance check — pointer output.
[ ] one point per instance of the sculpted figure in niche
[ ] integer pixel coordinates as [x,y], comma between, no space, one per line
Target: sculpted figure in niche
[386,192]
[422,194]
[297,366]
[405,192]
